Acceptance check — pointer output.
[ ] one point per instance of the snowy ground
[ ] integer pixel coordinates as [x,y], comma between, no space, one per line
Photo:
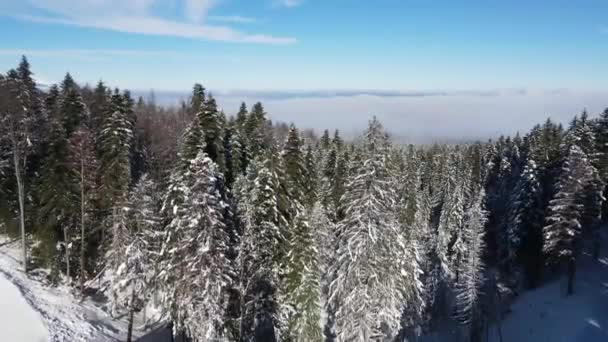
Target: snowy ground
[19,322]
[546,314]
[48,313]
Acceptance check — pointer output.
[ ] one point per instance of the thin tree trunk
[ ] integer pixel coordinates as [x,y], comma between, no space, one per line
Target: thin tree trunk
[571,274]
[131,314]
[596,243]
[497,309]
[21,194]
[66,242]
[82,227]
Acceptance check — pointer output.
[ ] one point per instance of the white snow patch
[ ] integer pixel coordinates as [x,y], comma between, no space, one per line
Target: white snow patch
[547,314]
[18,321]
[63,315]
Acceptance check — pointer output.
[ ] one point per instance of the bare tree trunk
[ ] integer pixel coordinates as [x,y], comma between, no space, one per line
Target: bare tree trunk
[66,242]
[131,314]
[21,194]
[596,243]
[82,227]
[571,274]
[497,307]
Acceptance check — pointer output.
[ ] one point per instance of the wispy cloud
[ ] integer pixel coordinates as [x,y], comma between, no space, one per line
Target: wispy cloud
[137,16]
[196,10]
[289,3]
[232,19]
[84,52]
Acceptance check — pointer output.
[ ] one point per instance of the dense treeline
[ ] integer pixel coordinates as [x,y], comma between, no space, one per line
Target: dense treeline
[244,230]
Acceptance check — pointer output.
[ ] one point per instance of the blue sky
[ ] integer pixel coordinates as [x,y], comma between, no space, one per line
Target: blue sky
[312,44]
[425,66]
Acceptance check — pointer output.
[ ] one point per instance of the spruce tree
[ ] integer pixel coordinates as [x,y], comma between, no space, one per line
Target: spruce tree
[371,272]
[563,229]
[134,279]
[470,280]
[17,129]
[260,257]
[211,126]
[72,108]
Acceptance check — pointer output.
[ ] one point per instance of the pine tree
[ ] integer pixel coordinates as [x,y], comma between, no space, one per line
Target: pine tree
[295,169]
[260,256]
[524,226]
[256,127]
[370,270]
[311,182]
[563,229]
[303,287]
[71,106]
[57,194]
[199,271]
[116,139]
[99,106]
[450,245]
[198,98]
[18,130]
[135,276]
[425,238]
[211,127]
[325,140]
[241,119]
[470,278]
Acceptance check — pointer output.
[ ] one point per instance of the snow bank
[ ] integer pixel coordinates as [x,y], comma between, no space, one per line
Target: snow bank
[65,317]
[18,321]
[547,314]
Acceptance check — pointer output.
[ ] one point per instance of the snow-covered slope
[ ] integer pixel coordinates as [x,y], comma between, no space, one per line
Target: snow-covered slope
[52,310]
[546,314]
[18,321]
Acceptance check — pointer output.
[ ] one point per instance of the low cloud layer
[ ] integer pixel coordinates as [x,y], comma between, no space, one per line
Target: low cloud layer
[419,117]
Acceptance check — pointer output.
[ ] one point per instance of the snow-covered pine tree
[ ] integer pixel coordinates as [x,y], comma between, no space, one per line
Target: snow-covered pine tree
[293,159]
[325,140]
[450,246]
[241,118]
[197,99]
[583,135]
[418,236]
[17,127]
[260,256]
[208,270]
[369,290]
[57,194]
[256,130]
[58,191]
[425,239]
[133,281]
[303,283]
[563,228]
[601,135]
[71,106]
[470,277]
[524,225]
[115,139]
[302,287]
[212,130]
[311,181]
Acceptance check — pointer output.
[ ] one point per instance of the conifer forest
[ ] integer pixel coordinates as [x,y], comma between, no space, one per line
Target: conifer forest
[238,228]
